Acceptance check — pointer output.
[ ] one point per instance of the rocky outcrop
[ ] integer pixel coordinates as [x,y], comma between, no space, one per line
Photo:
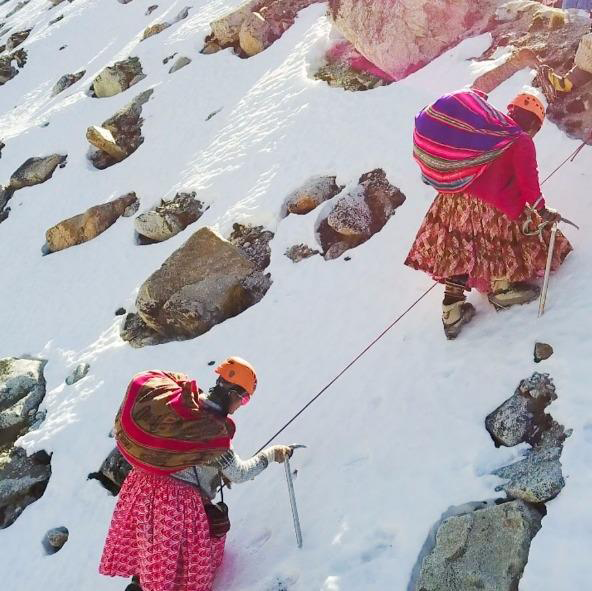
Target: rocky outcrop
[35,171]
[7,70]
[79,372]
[66,81]
[400,37]
[17,39]
[486,549]
[203,283]
[22,389]
[113,472]
[360,214]
[88,225]
[159,27]
[314,192]
[121,135]
[23,480]
[170,217]
[253,242]
[254,26]
[118,78]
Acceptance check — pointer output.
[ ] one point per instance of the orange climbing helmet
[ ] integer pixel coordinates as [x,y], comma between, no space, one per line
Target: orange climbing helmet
[240,372]
[531,103]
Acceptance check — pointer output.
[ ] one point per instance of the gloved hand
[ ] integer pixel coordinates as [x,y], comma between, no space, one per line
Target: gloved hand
[550,215]
[280,453]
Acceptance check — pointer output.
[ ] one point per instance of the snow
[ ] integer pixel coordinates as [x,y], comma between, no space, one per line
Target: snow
[397,440]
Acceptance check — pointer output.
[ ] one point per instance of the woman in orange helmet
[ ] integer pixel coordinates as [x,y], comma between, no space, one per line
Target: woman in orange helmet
[479,237]
[165,531]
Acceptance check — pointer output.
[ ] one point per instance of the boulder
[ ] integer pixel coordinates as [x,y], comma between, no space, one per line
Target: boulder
[170,217]
[138,334]
[255,35]
[522,418]
[118,77]
[22,389]
[35,171]
[113,472]
[181,62]
[201,284]
[154,30]
[7,70]
[17,39]
[79,372]
[103,140]
[314,192]
[227,28]
[66,81]
[299,252]
[486,549]
[360,214]
[55,539]
[88,225]
[23,480]
[400,37]
[253,242]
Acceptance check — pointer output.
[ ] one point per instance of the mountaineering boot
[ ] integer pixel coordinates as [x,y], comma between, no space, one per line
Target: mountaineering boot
[454,316]
[505,294]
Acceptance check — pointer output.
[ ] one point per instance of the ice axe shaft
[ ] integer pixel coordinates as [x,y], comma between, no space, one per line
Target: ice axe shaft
[293,502]
[543,299]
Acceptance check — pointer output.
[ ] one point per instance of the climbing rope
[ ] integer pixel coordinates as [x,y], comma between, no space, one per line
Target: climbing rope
[571,157]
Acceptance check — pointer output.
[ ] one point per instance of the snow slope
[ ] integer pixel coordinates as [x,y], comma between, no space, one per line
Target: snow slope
[400,437]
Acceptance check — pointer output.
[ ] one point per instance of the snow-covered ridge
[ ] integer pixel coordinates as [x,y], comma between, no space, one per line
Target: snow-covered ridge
[401,437]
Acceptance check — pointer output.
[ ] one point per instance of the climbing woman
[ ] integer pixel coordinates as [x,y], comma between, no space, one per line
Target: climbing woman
[165,530]
[488,227]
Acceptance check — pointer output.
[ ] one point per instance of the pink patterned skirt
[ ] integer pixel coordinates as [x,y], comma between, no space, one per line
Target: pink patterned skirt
[160,532]
[462,235]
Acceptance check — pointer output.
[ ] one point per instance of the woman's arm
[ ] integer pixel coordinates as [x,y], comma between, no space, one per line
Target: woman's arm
[527,173]
[237,470]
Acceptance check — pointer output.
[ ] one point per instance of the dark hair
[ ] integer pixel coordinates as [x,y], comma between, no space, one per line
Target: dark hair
[526,120]
[220,394]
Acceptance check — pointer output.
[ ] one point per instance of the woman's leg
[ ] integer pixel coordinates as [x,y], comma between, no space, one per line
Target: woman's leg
[456,312]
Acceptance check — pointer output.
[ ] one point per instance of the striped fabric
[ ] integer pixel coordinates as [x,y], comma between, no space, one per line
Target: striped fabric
[162,427]
[456,138]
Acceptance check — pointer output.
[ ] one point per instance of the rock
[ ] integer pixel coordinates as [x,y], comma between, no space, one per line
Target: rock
[522,418]
[19,6]
[486,549]
[5,196]
[23,480]
[542,351]
[299,252]
[311,195]
[103,139]
[170,217]
[138,334]
[536,479]
[80,371]
[66,81]
[126,131]
[2,146]
[180,63]
[56,20]
[253,241]
[120,312]
[400,37]
[342,75]
[151,9]
[112,472]
[55,539]
[227,28]
[17,39]
[118,77]
[88,225]
[22,389]
[201,284]
[167,59]
[35,171]
[7,70]
[360,214]
[255,34]
[154,30]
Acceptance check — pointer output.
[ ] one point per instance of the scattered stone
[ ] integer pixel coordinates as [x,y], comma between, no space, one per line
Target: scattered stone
[35,171]
[154,30]
[170,217]
[19,6]
[311,195]
[213,114]
[56,20]
[61,48]
[180,63]
[253,241]
[55,539]
[542,351]
[299,252]
[118,77]
[7,70]
[522,418]
[166,60]
[342,75]
[125,129]
[486,549]
[203,283]
[23,480]
[80,371]
[138,334]
[66,81]
[112,472]
[360,214]
[88,225]
[151,9]
[2,146]
[120,312]
[17,39]
[22,389]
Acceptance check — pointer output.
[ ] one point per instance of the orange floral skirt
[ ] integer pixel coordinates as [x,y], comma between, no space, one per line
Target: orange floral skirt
[462,235]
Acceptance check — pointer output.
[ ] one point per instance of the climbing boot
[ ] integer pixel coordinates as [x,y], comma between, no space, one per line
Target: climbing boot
[505,294]
[455,316]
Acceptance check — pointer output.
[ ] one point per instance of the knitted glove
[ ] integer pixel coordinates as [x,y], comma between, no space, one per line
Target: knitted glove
[278,453]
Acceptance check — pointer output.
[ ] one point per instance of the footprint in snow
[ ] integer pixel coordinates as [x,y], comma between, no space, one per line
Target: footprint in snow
[281,583]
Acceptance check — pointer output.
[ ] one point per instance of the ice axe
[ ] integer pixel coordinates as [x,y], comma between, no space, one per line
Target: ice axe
[293,496]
